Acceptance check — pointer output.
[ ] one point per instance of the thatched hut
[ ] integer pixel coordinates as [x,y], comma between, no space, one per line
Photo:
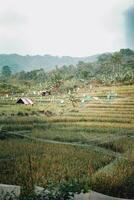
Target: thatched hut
[25,101]
[46,93]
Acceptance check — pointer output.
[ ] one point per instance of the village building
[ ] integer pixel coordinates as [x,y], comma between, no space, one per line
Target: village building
[46,93]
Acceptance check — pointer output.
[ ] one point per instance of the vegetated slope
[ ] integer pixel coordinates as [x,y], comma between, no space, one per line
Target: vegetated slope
[47,62]
[101,129]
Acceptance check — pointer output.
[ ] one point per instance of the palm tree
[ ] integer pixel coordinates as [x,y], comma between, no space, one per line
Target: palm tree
[116,61]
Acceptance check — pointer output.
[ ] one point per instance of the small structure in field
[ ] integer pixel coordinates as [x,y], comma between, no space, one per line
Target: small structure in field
[111,95]
[25,101]
[46,93]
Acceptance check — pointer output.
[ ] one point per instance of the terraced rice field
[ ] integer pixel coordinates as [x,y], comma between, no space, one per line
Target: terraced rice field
[92,142]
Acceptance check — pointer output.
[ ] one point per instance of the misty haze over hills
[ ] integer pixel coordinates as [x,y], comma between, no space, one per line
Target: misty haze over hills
[47,62]
[130,27]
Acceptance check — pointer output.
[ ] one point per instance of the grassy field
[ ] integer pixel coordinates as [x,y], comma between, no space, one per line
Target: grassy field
[92,142]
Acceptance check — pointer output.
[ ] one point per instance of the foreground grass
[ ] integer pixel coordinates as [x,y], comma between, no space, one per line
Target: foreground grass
[48,162]
[116,178]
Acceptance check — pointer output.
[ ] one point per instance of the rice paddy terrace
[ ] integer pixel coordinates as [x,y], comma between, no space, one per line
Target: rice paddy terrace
[92,142]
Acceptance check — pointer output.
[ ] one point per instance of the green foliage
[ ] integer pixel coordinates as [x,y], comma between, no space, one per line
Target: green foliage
[98,131]
[111,68]
[6,71]
[9,88]
[35,75]
[127,52]
[48,62]
[56,78]
[62,191]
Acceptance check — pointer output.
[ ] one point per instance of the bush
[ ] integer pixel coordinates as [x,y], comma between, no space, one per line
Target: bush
[20,113]
[64,191]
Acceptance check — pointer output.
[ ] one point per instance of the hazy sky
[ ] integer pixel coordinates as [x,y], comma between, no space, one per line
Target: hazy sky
[65,27]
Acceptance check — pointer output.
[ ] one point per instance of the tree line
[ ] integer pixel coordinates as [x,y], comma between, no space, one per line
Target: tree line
[110,68]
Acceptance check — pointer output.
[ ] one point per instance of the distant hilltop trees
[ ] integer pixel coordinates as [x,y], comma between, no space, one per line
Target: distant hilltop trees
[47,62]
[109,68]
[6,71]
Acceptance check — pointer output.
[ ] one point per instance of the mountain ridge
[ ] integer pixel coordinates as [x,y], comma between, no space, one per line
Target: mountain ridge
[19,62]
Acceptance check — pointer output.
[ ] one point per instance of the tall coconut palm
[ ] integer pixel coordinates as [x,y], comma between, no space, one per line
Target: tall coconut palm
[116,62]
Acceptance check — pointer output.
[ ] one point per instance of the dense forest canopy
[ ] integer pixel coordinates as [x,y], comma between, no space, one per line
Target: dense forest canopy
[109,68]
[47,62]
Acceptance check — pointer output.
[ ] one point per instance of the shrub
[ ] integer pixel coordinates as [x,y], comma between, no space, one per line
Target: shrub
[63,191]
[20,113]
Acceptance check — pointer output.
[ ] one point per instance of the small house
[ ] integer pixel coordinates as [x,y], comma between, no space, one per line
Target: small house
[46,93]
[25,101]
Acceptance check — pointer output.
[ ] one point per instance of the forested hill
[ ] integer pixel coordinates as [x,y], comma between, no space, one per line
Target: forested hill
[47,62]
[109,69]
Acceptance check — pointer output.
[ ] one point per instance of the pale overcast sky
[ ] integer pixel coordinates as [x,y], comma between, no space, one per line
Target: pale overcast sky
[63,27]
